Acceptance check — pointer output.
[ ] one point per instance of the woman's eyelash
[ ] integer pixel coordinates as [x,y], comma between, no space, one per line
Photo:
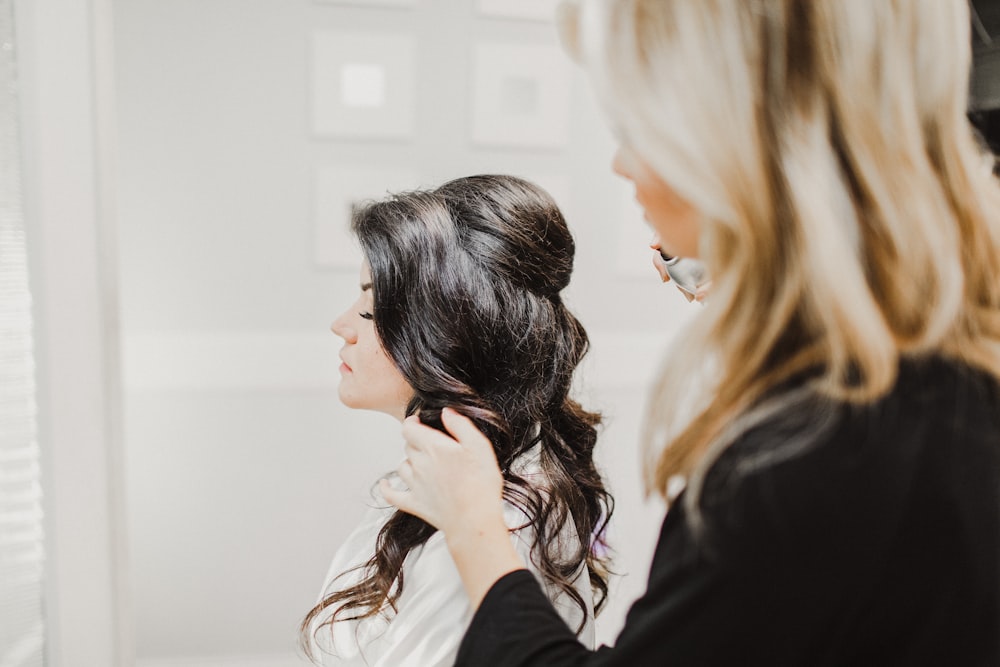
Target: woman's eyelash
[366,316]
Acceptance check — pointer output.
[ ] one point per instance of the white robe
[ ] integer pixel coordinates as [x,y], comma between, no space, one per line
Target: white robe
[433,609]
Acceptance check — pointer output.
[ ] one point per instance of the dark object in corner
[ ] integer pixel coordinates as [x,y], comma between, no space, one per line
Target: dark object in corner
[984,84]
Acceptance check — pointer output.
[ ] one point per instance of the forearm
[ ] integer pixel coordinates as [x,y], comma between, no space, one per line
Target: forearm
[483,553]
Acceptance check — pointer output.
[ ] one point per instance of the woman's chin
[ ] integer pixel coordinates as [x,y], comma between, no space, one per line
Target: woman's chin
[346,399]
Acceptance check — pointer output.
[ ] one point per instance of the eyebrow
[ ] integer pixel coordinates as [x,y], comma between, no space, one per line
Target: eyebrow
[365,287]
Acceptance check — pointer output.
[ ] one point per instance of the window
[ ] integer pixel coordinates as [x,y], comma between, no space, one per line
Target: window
[21,547]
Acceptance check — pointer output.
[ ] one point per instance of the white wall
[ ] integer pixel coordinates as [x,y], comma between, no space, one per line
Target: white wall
[244,472]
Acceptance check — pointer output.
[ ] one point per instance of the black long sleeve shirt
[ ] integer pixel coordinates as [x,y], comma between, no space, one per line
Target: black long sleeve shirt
[879,544]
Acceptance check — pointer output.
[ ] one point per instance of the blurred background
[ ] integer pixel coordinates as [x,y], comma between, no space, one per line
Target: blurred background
[175,468]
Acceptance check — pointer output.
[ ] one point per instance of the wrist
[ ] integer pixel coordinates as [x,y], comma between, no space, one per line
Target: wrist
[475,531]
[483,552]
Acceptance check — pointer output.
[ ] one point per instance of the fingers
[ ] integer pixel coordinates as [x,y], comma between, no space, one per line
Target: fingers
[419,437]
[703,291]
[660,267]
[469,436]
[405,472]
[658,261]
[402,499]
[396,497]
[464,430]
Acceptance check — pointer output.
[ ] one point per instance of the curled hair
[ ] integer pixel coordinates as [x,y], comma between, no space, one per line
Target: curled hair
[466,282]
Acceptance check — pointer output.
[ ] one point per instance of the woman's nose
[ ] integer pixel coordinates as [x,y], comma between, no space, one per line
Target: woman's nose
[654,242]
[341,328]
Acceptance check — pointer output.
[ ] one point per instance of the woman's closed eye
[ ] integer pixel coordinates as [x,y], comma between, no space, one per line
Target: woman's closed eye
[366,315]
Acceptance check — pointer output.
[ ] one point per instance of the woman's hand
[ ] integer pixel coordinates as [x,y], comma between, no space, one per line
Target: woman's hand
[661,268]
[453,481]
[455,485]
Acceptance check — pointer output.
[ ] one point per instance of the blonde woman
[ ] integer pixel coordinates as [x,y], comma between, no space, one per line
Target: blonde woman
[842,452]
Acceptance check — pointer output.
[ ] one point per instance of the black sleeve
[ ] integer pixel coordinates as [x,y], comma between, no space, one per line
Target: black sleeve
[517,607]
[695,612]
[878,543]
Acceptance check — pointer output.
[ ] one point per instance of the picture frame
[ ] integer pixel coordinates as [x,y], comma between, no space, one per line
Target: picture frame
[362,85]
[521,96]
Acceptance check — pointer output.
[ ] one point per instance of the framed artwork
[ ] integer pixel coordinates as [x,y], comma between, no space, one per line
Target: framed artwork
[537,10]
[339,189]
[370,3]
[521,96]
[362,85]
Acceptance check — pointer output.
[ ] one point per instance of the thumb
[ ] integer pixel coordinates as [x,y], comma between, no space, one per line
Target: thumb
[396,497]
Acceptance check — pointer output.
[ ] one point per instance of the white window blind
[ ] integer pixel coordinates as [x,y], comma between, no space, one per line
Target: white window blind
[21,546]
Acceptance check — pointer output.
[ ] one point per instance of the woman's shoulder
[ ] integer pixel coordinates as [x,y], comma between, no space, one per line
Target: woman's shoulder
[828,472]
[931,397]
[937,410]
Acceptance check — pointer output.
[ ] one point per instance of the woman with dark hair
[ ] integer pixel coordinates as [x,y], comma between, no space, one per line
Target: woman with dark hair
[460,306]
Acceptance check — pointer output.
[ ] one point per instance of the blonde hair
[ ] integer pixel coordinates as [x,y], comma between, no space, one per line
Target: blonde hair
[850,219]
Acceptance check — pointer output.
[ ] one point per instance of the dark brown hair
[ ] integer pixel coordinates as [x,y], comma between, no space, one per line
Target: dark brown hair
[466,281]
